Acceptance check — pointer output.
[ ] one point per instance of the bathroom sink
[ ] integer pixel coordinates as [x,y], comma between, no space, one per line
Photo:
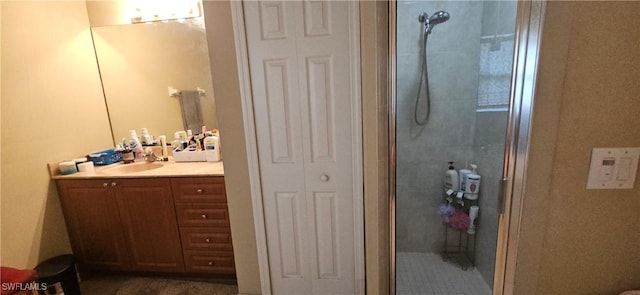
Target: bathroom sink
[133,168]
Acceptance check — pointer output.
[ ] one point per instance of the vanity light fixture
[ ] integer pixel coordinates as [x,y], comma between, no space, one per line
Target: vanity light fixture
[147,11]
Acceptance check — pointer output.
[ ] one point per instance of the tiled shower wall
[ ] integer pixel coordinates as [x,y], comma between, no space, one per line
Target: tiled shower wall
[456,131]
[423,152]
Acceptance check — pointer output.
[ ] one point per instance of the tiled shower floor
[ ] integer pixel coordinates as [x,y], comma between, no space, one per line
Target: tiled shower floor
[428,274]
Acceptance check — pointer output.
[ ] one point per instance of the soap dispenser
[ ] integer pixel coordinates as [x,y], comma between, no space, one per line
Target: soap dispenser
[451,181]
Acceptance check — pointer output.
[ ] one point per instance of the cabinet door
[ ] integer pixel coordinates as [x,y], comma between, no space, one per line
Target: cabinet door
[93,223]
[149,222]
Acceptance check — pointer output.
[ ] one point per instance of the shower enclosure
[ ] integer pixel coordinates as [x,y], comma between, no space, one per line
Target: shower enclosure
[455,101]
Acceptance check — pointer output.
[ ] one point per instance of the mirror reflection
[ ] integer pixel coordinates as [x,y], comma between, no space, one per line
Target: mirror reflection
[156,76]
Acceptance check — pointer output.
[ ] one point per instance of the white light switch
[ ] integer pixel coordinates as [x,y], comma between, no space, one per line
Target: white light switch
[613,168]
[624,172]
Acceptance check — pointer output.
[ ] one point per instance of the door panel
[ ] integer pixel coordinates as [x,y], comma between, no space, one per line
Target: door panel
[302,83]
[149,219]
[94,225]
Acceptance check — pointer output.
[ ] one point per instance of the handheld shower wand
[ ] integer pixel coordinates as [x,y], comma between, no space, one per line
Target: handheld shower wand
[433,20]
[429,23]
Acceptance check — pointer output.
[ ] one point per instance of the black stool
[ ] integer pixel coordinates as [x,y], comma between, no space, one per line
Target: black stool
[59,275]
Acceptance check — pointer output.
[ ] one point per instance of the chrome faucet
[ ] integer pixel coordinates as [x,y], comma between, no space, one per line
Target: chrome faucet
[150,157]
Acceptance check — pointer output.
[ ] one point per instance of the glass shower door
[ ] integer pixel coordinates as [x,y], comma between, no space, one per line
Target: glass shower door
[453,77]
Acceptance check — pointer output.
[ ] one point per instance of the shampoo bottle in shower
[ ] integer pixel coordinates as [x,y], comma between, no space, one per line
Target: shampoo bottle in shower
[463,176]
[451,181]
[472,182]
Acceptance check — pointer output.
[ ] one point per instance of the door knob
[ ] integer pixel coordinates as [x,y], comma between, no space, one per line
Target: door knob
[324,178]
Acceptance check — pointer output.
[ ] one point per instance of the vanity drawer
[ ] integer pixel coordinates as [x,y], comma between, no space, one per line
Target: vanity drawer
[206,238]
[209,261]
[199,190]
[203,215]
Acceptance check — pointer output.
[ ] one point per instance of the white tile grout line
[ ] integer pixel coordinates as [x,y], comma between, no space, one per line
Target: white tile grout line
[429,274]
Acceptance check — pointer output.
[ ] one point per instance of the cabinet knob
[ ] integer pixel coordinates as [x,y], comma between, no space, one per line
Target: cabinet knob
[208,240]
[210,263]
[114,183]
[105,184]
[199,190]
[324,178]
[204,216]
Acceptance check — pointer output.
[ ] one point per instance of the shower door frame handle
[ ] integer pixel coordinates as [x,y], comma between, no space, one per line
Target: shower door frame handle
[503,184]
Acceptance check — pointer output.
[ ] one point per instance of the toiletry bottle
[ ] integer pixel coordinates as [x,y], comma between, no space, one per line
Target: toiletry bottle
[163,144]
[451,181]
[176,141]
[472,183]
[147,139]
[473,215]
[216,133]
[212,148]
[127,153]
[463,176]
[190,137]
[136,146]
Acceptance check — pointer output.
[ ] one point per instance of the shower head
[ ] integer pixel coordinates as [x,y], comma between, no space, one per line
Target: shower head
[437,18]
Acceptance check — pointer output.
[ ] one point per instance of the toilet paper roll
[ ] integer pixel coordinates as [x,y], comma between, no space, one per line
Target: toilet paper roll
[86,167]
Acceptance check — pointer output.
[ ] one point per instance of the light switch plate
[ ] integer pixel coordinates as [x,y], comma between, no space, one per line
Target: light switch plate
[613,168]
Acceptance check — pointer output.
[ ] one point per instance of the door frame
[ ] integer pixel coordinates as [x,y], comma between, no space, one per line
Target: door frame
[246,97]
[527,40]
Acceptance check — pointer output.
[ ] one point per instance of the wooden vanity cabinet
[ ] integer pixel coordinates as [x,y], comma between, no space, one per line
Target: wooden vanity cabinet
[203,217]
[168,225]
[122,224]
[91,213]
[149,222]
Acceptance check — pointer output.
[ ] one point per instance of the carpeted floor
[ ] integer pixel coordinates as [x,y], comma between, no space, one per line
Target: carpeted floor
[124,285]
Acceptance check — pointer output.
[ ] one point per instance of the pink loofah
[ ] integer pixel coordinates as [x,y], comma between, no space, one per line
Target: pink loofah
[459,220]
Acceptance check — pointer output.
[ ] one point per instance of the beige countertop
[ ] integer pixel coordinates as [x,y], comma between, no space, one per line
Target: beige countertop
[140,169]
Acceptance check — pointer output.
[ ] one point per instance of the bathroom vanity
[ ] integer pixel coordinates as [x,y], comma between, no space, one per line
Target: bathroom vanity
[149,217]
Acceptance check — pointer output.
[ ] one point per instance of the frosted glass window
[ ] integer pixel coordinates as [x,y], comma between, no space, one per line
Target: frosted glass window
[496,53]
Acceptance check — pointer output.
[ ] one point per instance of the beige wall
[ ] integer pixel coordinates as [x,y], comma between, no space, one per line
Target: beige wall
[227,91]
[573,240]
[52,110]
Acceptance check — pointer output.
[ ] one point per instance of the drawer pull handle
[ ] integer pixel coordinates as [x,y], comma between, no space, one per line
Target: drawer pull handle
[204,216]
[105,184]
[208,240]
[114,184]
[199,190]
[210,263]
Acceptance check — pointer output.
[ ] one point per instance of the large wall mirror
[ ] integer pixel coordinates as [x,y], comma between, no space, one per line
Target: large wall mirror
[155,75]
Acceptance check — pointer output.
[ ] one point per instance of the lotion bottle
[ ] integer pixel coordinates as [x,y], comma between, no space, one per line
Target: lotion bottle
[451,179]
[212,148]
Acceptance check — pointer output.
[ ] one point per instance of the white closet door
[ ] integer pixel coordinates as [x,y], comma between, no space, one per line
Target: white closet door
[303,90]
